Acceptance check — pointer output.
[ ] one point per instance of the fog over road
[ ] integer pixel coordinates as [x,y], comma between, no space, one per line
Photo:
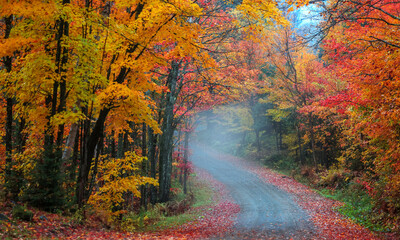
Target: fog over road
[266,211]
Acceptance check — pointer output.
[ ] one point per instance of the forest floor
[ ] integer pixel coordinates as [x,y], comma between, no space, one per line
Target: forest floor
[276,207]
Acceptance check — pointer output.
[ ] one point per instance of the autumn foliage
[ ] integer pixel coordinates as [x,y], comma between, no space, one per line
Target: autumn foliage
[93,93]
[97,98]
[336,108]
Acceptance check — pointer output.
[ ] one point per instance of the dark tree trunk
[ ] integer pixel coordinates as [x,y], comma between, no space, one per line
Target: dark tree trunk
[51,102]
[166,143]
[113,145]
[125,146]
[75,155]
[301,153]
[185,159]
[62,59]
[258,143]
[89,153]
[145,167]
[7,61]
[98,150]
[21,136]
[9,129]
[153,163]
[120,152]
[277,132]
[312,141]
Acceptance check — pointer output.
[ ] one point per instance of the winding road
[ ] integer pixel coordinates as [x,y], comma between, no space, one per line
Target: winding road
[266,211]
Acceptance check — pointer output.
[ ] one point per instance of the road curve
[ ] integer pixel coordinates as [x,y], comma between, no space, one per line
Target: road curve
[266,211]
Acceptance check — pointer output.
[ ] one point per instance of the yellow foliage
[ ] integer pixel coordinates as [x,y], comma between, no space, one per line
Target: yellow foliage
[28,9]
[10,45]
[128,104]
[238,117]
[115,177]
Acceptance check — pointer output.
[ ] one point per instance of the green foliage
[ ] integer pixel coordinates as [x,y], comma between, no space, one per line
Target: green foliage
[46,191]
[133,221]
[79,216]
[281,161]
[14,181]
[21,212]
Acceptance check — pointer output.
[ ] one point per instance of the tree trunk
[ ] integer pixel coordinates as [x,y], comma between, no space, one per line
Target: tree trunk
[88,155]
[258,143]
[120,152]
[8,139]
[179,147]
[165,163]
[113,145]
[153,162]
[95,136]
[312,141]
[276,128]
[7,61]
[73,132]
[61,61]
[301,154]
[145,167]
[185,159]
[21,136]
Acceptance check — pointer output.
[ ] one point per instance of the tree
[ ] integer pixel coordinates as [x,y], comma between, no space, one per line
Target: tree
[21,25]
[83,77]
[362,48]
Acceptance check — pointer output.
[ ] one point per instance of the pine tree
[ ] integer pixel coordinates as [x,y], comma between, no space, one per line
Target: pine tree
[46,191]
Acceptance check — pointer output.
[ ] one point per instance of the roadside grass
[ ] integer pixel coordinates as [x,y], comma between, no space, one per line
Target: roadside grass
[358,206]
[159,217]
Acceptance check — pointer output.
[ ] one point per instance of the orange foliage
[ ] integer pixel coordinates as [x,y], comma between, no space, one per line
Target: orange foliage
[364,51]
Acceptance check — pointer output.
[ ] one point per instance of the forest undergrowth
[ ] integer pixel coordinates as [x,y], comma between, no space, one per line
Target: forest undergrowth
[200,214]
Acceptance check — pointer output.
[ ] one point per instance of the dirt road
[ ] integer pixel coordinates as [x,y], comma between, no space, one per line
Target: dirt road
[266,211]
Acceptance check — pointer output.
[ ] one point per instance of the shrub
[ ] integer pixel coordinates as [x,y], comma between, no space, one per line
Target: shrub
[309,173]
[334,177]
[281,162]
[21,212]
[179,207]
[116,178]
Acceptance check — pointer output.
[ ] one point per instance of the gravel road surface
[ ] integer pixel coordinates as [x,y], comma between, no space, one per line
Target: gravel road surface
[266,211]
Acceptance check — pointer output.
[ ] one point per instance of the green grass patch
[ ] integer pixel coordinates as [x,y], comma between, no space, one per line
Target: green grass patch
[158,218]
[358,206]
